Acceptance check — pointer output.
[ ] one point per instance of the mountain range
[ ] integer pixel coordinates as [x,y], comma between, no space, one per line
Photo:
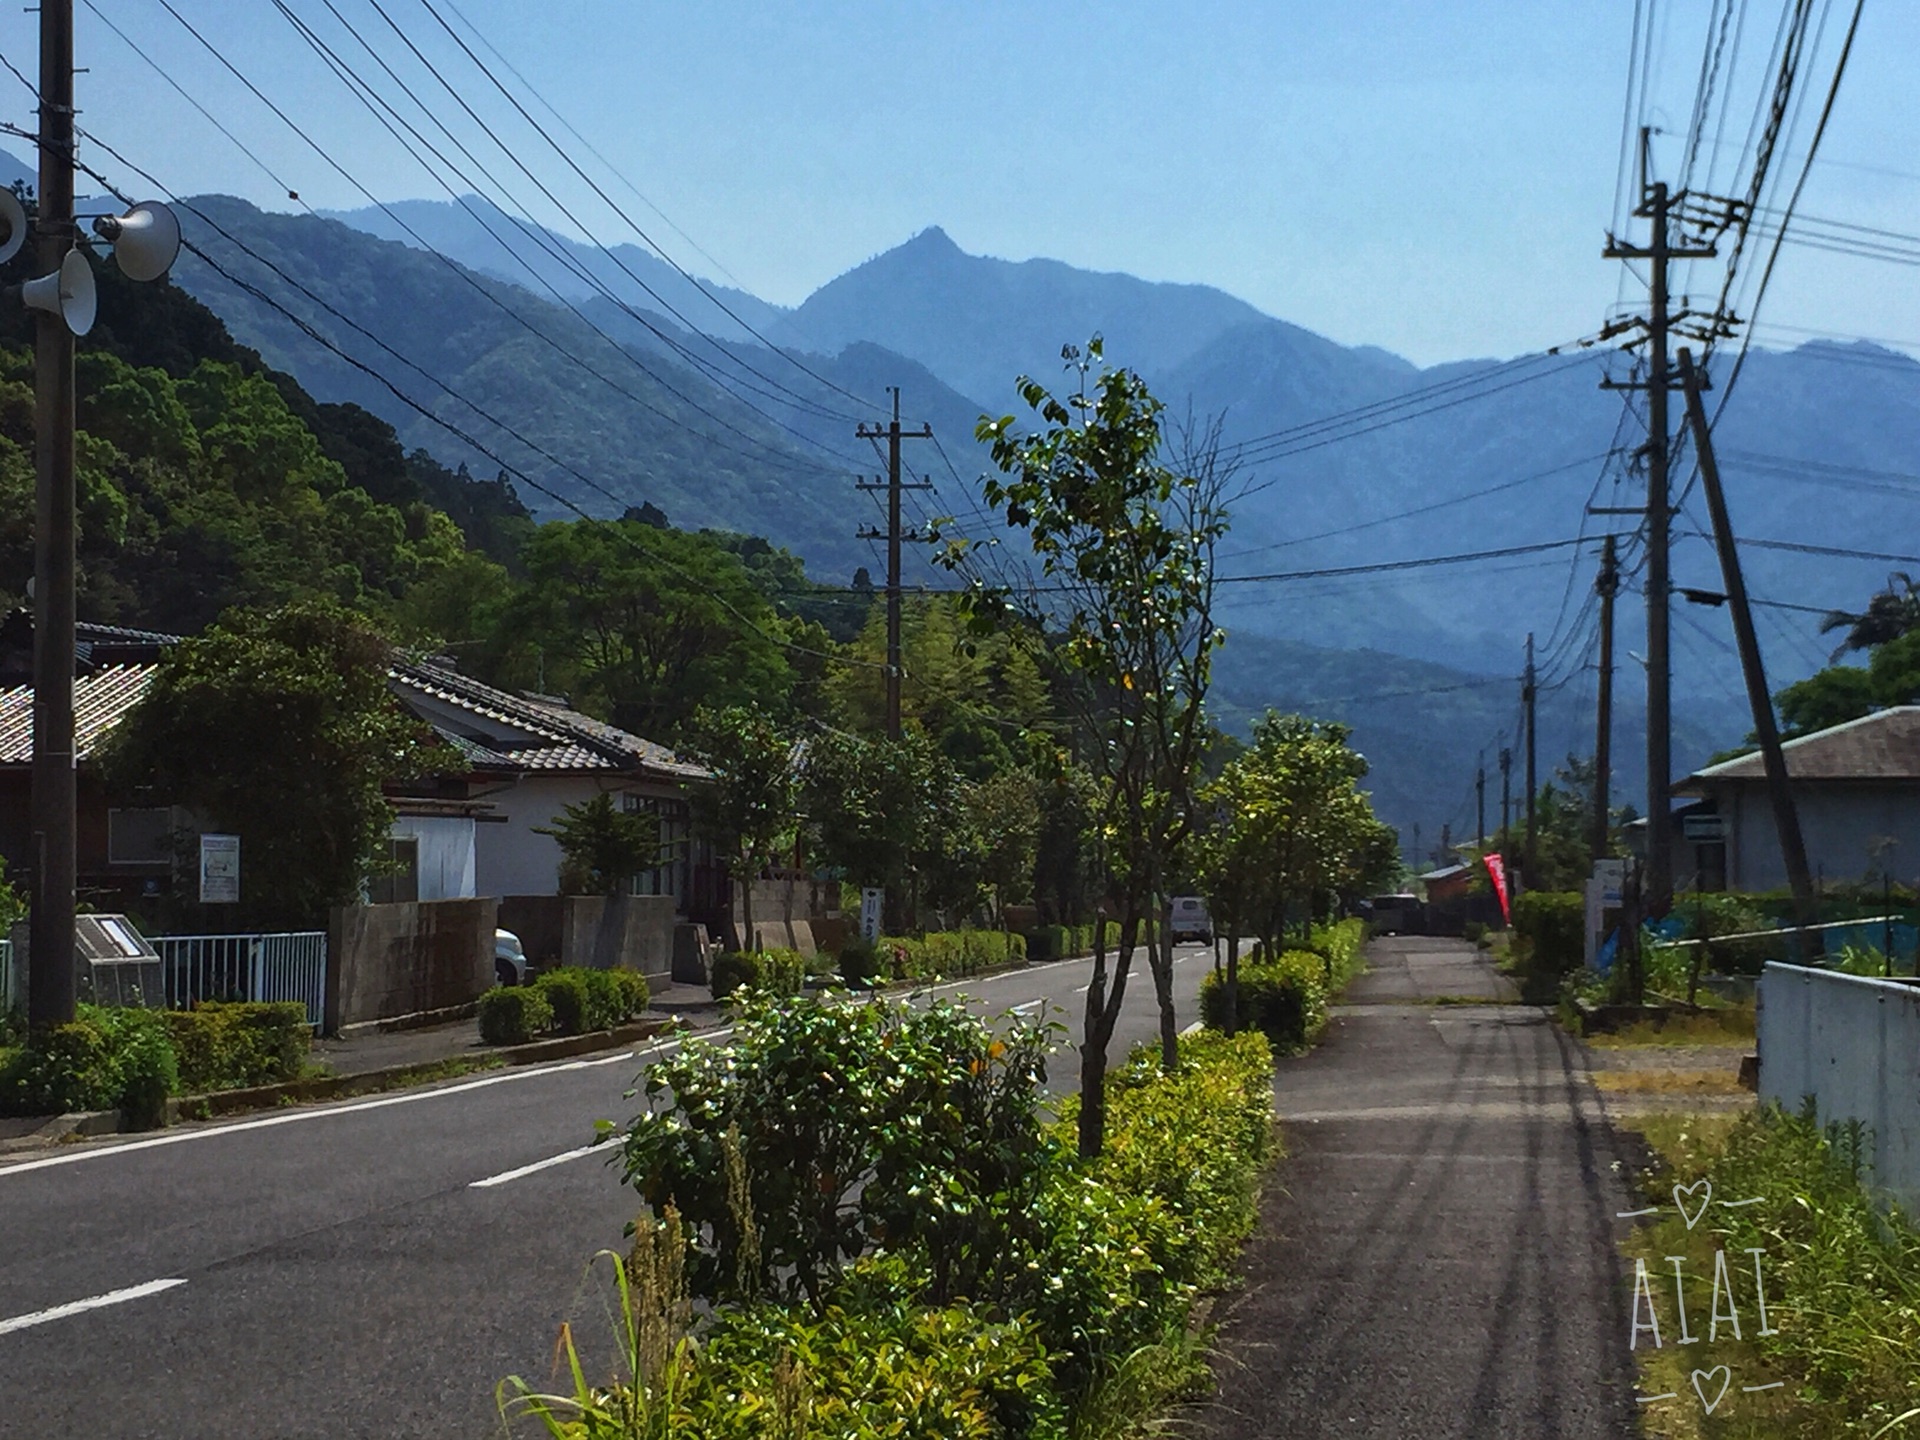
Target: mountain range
[609,378]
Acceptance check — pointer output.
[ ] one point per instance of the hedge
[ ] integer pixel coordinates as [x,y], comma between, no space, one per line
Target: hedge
[1284,999]
[569,1001]
[134,1060]
[1553,923]
[945,954]
[514,1014]
[1064,942]
[776,969]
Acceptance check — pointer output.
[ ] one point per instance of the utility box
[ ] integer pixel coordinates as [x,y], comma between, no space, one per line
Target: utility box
[118,965]
[114,964]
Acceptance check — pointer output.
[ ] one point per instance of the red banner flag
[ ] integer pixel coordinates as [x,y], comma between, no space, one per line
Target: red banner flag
[1497,873]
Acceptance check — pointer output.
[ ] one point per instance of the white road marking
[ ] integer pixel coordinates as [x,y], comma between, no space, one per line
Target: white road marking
[1195,1028]
[80,1307]
[298,1117]
[505,1175]
[1027,1006]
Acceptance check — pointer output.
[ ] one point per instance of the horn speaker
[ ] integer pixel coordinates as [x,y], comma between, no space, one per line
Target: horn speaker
[145,239]
[68,292]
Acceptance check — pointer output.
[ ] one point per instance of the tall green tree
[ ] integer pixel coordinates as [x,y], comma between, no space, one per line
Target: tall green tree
[748,806]
[642,625]
[1124,529]
[279,726]
[886,813]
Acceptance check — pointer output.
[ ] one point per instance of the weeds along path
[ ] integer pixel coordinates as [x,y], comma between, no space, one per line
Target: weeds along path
[1437,1256]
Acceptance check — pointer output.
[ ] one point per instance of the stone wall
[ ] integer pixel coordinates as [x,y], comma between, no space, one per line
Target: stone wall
[391,961]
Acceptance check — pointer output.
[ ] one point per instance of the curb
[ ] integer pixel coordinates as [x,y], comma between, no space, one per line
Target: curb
[89,1124]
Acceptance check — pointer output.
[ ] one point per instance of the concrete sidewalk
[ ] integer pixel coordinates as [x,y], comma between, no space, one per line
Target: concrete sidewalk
[1437,1256]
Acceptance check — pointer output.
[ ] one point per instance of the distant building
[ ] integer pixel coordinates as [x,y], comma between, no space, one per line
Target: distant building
[470,834]
[1856,787]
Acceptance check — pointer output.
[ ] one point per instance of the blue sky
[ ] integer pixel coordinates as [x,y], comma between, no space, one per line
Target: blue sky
[1434,178]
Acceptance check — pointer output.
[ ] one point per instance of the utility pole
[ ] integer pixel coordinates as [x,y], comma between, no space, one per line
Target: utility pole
[1480,800]
[1527,692]
[1657,205]
[893,435]
[1608,585]
[1786,817]
[1506,794]
[50,965]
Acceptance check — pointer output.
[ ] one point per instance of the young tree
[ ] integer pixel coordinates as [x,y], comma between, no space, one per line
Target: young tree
[602,847]
[879,809]
[747,809]
[280,727]
[1125,543]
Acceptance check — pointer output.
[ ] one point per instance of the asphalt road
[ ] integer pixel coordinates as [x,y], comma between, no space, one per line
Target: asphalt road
[1441,1260]
[370,1268]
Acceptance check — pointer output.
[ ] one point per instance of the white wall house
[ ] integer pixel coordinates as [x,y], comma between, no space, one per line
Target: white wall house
[438,850]
[1856,787]
[530,757]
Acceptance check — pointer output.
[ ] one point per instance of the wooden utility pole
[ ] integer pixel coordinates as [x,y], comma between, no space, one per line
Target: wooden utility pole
[1786,817]
[1608,586]
[1527,693]
[50,964]
[1506,794]
[893,435]
[1480,800]
[1656,205]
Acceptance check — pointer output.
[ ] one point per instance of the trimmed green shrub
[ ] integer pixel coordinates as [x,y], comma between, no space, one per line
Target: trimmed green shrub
[945,954]
[566,992]
[1284,1000]
[149,1074]
[631,995]
[1553,925]
[72,1069]
[225,1046]
[514,1014]
[733,970]
[859,960]
[782,971]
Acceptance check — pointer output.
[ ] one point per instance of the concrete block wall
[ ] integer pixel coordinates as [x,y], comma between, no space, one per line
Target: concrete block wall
[1853,1044]
[389,961]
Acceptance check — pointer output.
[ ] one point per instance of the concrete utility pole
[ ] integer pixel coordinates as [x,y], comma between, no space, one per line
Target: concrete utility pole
[1786,817]
[1657,205]
[1608,585]
[1527,693]
[50,971]
[893,435]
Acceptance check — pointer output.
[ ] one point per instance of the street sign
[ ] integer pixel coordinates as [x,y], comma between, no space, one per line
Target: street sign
[1704,827]
[870,913]
[219,869]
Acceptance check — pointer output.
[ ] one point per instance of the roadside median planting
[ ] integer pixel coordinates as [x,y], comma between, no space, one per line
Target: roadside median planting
[882,1233]
[135,1060]
[569,1001]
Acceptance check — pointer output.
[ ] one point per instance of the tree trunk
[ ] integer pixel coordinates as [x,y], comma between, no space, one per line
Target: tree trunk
[748,941]
[1162,945]
[1093,1049]
[1233,984]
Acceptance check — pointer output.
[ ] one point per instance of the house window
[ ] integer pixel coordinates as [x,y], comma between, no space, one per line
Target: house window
[399,879]
[669,877]
[140,837]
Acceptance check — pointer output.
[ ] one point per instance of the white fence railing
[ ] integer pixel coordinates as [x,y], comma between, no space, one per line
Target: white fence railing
[6,974]
[246,967]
